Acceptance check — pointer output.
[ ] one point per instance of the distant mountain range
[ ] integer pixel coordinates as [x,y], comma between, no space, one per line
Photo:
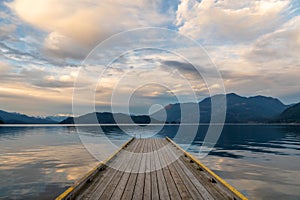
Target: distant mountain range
[240,109]
[109,118]
[257,109]
[16,118]
[290,115]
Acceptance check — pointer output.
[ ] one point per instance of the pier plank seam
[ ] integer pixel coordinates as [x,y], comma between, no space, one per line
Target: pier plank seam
[119,190]
[140,179]
[158,169]
[182,189]
[119,172]
[154,176]
[195,194]
[231,189]
[147,180]
[193,185]
[171,186]
[73,190]
[108,176]
[131,183]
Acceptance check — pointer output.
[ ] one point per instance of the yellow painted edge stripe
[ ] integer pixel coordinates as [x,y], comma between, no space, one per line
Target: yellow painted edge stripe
[71,188]
[65,193]
[231,188]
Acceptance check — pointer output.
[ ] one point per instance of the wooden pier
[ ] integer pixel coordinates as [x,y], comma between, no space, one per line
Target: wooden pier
[151,169]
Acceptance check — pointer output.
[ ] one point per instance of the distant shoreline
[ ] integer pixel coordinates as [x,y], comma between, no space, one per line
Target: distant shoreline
[184,124]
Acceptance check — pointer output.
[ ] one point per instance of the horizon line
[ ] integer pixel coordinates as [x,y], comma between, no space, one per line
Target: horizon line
[184,124]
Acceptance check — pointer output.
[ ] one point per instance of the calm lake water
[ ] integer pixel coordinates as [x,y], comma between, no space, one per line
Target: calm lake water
[261,161]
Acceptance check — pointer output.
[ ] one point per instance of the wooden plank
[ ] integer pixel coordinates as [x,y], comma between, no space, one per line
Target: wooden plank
[212,188]
[199,186]
[172,189]
[140,181]
[183,191]
[187,180]
[129,189]
[105,181]
[85,181]
[115,181]
[153,173]
[227,187]
[99,184]
[147,184]
[120,188]
[162,184]
[109,190]
[202,180]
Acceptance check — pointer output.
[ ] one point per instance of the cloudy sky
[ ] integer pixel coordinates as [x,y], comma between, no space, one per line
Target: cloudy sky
[46,47]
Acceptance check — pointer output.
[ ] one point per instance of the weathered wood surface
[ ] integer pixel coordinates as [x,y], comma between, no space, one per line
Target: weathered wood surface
[156,170]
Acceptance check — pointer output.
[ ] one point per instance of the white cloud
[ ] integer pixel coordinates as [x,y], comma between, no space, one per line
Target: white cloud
[85,22]
[282,45]
[262,57]
[230,21]
[35,89]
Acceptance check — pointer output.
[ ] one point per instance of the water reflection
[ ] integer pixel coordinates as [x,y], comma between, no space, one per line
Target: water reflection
[261,161]
[40,162]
